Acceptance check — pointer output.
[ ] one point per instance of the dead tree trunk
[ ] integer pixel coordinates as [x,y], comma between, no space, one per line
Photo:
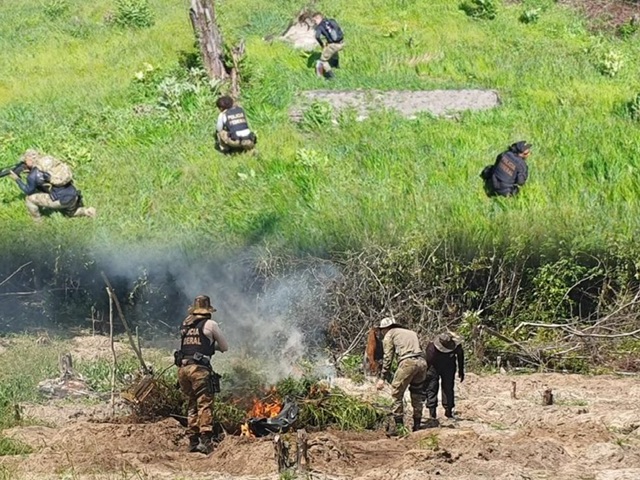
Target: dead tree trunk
[203,20]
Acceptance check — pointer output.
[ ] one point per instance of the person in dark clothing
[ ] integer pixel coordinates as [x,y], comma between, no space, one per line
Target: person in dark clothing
[41,193]
[334,38]
[510,170]
[232,127]
[444,357]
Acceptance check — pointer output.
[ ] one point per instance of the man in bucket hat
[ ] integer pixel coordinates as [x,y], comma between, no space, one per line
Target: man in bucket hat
[411,372]
[201,337]
[444,357]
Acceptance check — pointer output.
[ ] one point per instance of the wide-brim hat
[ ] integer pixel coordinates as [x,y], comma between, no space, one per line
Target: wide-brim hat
[447,342]
[201,305]
[387,322]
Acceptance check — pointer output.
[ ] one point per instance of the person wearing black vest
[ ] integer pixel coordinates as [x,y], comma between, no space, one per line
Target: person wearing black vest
[232,127]
[334,38]
[510,170]
[200,338]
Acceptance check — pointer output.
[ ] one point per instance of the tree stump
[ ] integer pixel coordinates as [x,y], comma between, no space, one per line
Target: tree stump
[547,397]
[302,450]
[281,453]
[65,364]
[205,27]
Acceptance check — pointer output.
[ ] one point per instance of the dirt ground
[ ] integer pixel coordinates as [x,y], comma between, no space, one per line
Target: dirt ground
[407,103]
[591,433]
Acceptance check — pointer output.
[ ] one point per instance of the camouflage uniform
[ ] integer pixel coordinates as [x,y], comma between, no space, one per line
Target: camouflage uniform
[201,336]
[36,201]
[328,51]
[411,371]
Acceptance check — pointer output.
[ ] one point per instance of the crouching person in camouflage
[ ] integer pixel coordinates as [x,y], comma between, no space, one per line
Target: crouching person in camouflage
[201,336]
[411,371]
[49,186]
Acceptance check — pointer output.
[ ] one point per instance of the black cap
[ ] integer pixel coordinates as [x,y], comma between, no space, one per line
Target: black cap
[520,147]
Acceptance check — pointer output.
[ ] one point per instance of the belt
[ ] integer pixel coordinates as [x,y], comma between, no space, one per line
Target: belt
[415,355]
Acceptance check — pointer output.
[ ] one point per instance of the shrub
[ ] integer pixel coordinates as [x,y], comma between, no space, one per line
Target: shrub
[610,63]
[9,446]
[633,108]
[628,29]
[55,8]
[481,9]
[318,114]
[133,14]
[531,15]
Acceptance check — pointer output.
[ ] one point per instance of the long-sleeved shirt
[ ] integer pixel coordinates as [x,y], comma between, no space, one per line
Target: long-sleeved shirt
[445,361]
[510,170]
[402,343]
[324,29]
[212,331]
[36,181]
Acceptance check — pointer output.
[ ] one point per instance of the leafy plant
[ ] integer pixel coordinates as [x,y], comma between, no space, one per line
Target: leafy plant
[55,8]
[629,28]
[633,108]
[317,115]
[480,9]
[531,15]
[133,14]
[610,63]
[10,446]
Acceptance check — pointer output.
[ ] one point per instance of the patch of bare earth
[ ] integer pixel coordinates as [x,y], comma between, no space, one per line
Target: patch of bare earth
[591,432]
[406,103]
[605,13]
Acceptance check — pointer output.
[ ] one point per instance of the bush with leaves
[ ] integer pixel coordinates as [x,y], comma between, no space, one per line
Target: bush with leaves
[633,108]
[481,9]
[610,63]
[531,15]
[133,14]
[317,115]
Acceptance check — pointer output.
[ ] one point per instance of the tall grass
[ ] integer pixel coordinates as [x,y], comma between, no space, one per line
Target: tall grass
[155,175]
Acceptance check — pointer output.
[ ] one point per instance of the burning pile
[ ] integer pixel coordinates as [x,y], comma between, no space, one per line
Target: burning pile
[300,403]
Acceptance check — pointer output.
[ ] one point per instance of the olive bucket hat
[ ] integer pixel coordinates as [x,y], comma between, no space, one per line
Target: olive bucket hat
[446,342]
[201,305]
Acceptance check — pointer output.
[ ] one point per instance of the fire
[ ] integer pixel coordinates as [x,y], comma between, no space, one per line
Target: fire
[265,409]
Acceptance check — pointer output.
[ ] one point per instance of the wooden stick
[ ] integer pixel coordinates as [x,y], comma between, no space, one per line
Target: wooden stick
[513,390]
[281,453]
[124,322]
[113,353]
[547,397]
[302,453]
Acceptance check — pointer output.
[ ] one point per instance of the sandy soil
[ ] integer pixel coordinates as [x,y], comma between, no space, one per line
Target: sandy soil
[407,103]
[591,433]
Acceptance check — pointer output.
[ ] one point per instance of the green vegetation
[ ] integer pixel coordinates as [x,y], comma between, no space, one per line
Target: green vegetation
[143,148]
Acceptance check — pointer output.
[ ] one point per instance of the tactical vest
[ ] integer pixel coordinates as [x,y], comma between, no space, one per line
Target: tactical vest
[236,120]
[194,340]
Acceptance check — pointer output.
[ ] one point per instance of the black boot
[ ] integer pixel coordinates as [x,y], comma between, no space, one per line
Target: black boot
[329,75]
[206,443]
[448,412]
[432,412]
[417,423]
[194,442]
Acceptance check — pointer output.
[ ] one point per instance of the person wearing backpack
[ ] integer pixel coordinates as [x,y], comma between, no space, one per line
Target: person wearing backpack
[232,128]
[331,31]
[49,185]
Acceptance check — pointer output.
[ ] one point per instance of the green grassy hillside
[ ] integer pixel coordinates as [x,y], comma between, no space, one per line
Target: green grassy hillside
[68,87]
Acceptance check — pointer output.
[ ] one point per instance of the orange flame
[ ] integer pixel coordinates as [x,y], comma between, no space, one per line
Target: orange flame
[265,409]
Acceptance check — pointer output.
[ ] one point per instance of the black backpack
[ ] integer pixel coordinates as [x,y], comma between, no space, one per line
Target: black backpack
[334,30]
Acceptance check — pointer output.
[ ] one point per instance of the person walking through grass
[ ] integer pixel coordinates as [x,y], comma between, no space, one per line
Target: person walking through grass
[411,373]
[232,128]
[49,186]
[333,43]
